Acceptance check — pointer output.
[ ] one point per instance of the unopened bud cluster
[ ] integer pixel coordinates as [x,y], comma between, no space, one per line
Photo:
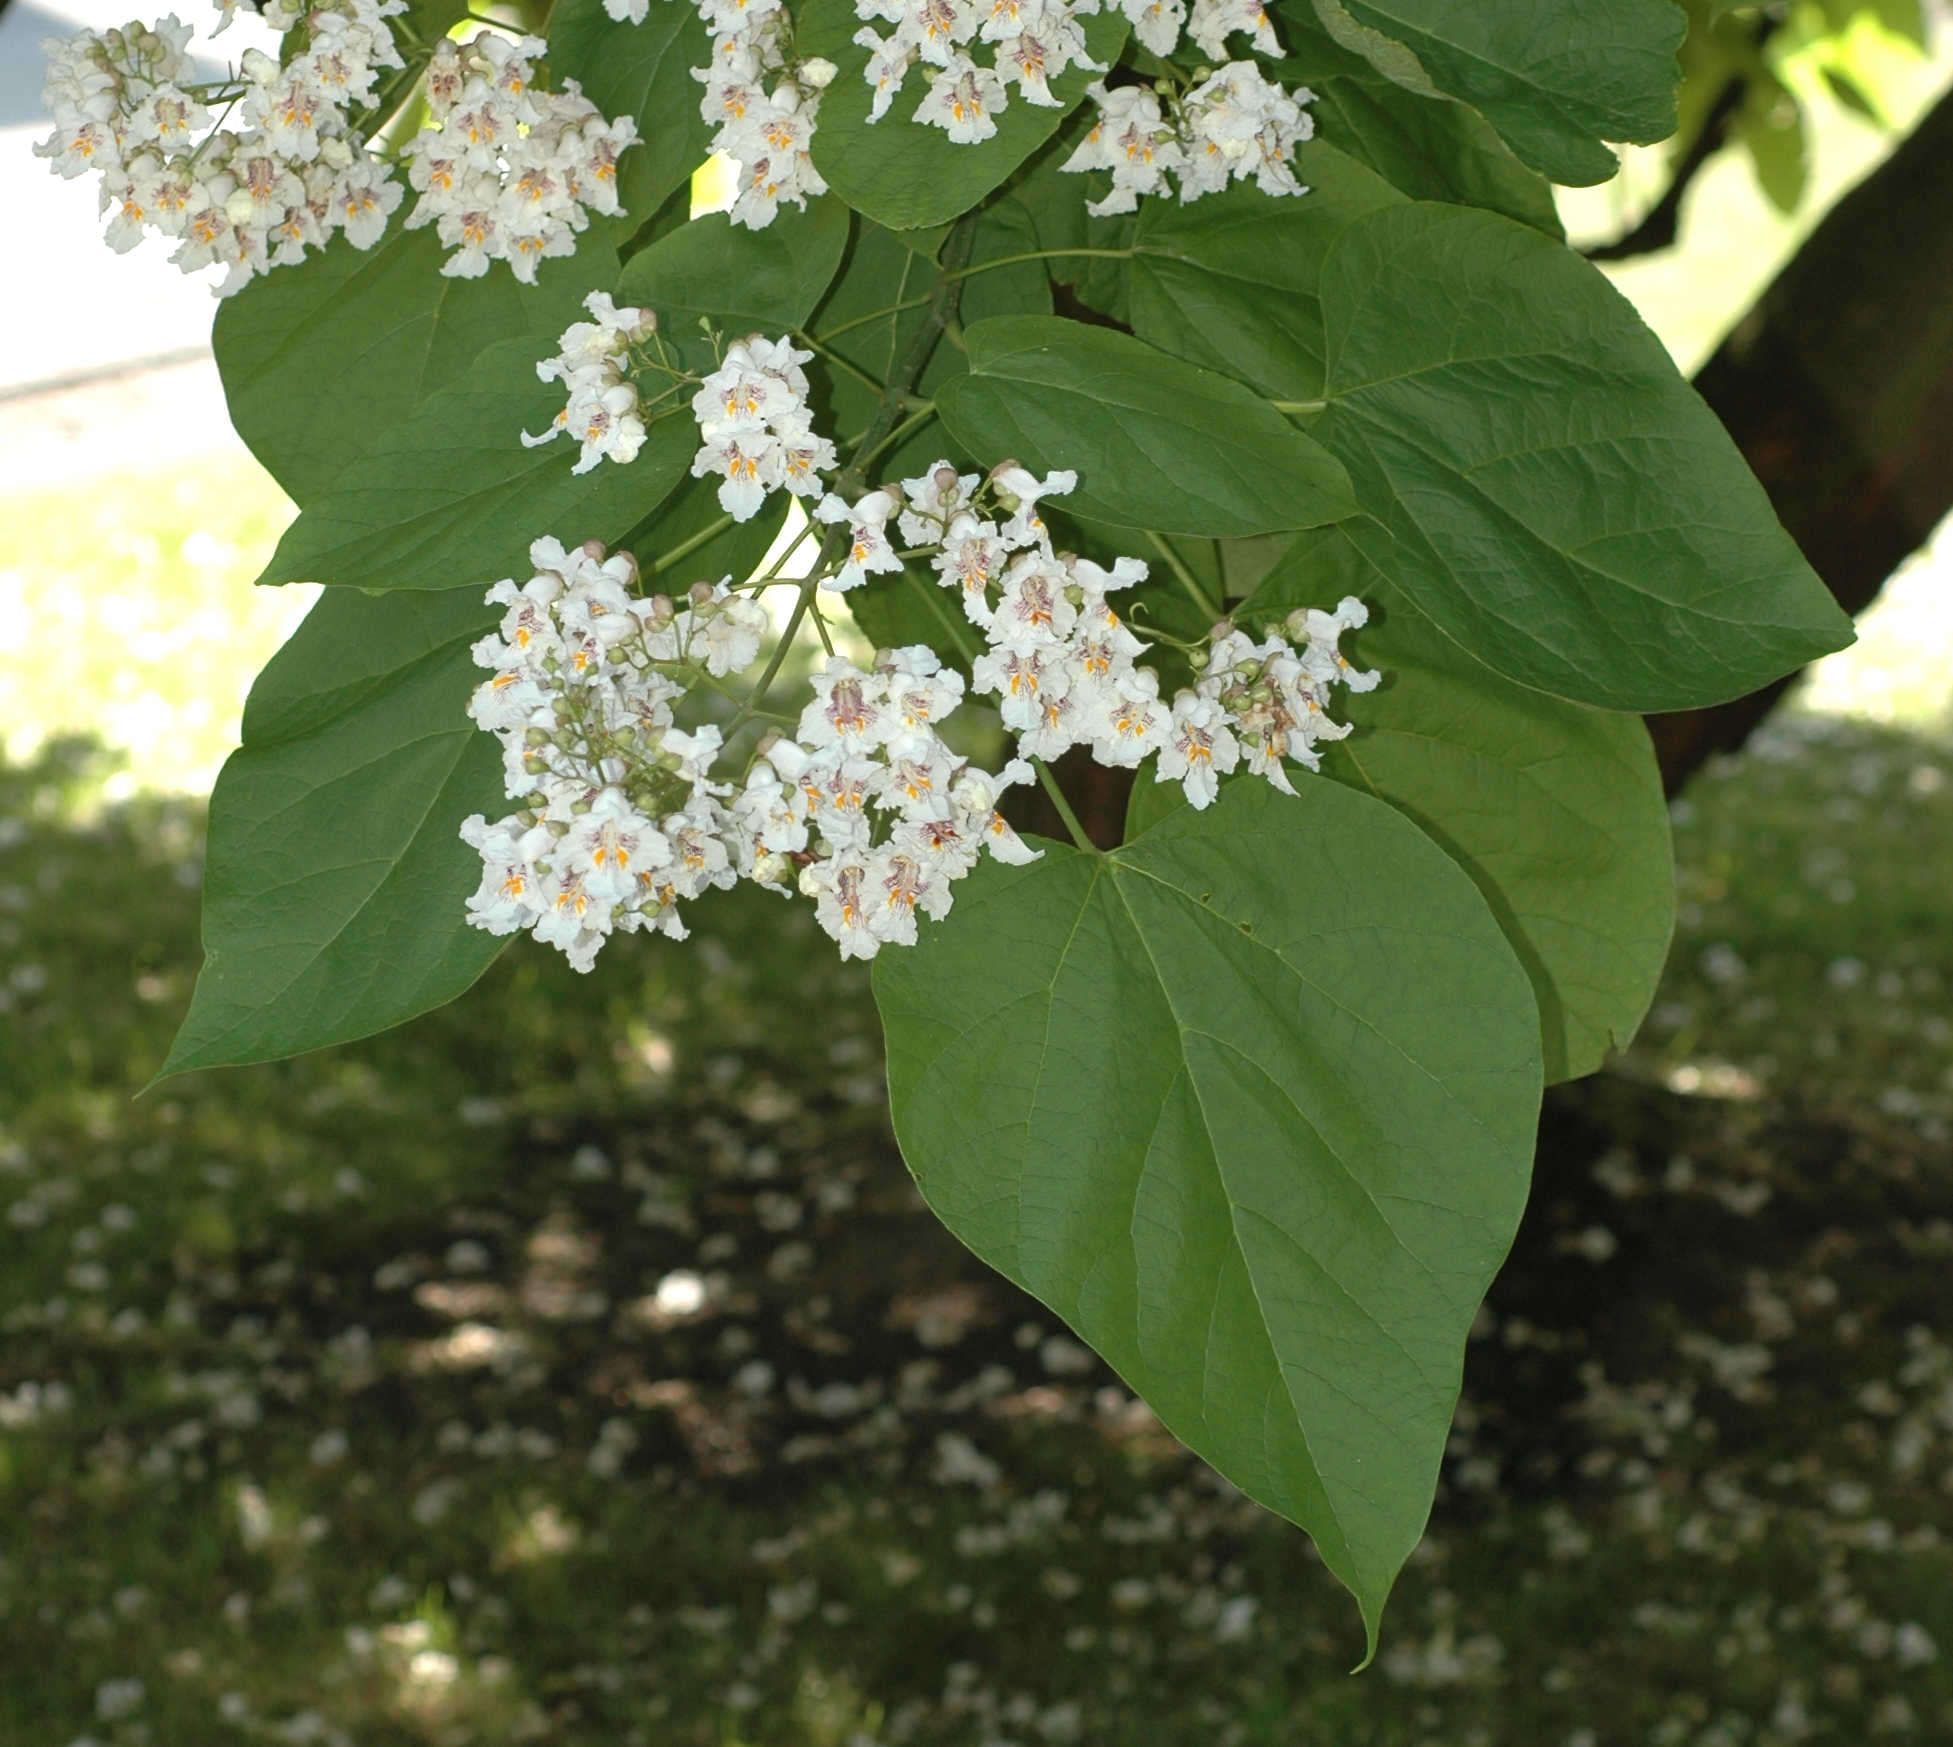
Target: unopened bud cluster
[247,198]
[505,169]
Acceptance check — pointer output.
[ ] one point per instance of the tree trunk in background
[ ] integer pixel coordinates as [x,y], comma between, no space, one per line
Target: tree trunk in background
[1838,388]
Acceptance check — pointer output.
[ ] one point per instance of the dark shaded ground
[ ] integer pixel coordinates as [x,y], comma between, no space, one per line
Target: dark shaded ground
[577,1364]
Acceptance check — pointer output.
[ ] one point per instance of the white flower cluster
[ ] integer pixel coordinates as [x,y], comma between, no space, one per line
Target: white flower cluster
[1233,124]
[767,133]
[246,199]
[752,413]
[602,411]
[1264,702]
[505,170]
[1035,41]
[894,817]
[619,822]
[1063,664]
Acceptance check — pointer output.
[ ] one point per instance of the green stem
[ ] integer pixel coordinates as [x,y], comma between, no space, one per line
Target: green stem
[780,649]
[914,422]
[1186,577]
[958,632]
[1065,813]
[1041,255]
[835,358]
[685,548]
[820,623]
[861,321]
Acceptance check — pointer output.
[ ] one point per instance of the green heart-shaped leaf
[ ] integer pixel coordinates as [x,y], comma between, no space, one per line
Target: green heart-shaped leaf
[1250,1103]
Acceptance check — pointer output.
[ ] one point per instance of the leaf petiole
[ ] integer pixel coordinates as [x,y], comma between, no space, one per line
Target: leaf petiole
[685,548]
[1186,576]
[1065,813]
[1041,255]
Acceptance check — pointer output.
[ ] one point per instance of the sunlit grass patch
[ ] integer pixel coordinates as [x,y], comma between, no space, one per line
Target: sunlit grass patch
[133,615]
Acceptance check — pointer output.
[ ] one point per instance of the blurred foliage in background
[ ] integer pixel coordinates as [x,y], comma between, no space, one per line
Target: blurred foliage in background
[1751,72]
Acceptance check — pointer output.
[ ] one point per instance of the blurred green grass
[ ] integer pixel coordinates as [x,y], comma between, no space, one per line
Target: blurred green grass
[577,1365]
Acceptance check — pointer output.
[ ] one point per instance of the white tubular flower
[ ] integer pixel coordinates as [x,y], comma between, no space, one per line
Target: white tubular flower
[889,61]
[1018,486]
[1199,750]
[939,28]
[721,631]
[1239,125]
[509,898]
[1131,139]
[1024,681]
[963,100]
[1034,606]
[246,200]
[1214,21]
[1156,23]
[1037,40]
[608,847]
[870,552]
[1126,719]
[842,890]
[971,561]
[752,413]
[1322,660]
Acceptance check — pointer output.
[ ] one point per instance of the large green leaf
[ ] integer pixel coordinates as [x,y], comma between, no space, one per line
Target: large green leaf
[1250,1103]
[1156,442]
[336,886]
[1429,147]
[740,278]
[1230,281]
[1539,478]
[645,71]
[450,498]
[1555,810]
[1556,80]
[320,358]
[909,176]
